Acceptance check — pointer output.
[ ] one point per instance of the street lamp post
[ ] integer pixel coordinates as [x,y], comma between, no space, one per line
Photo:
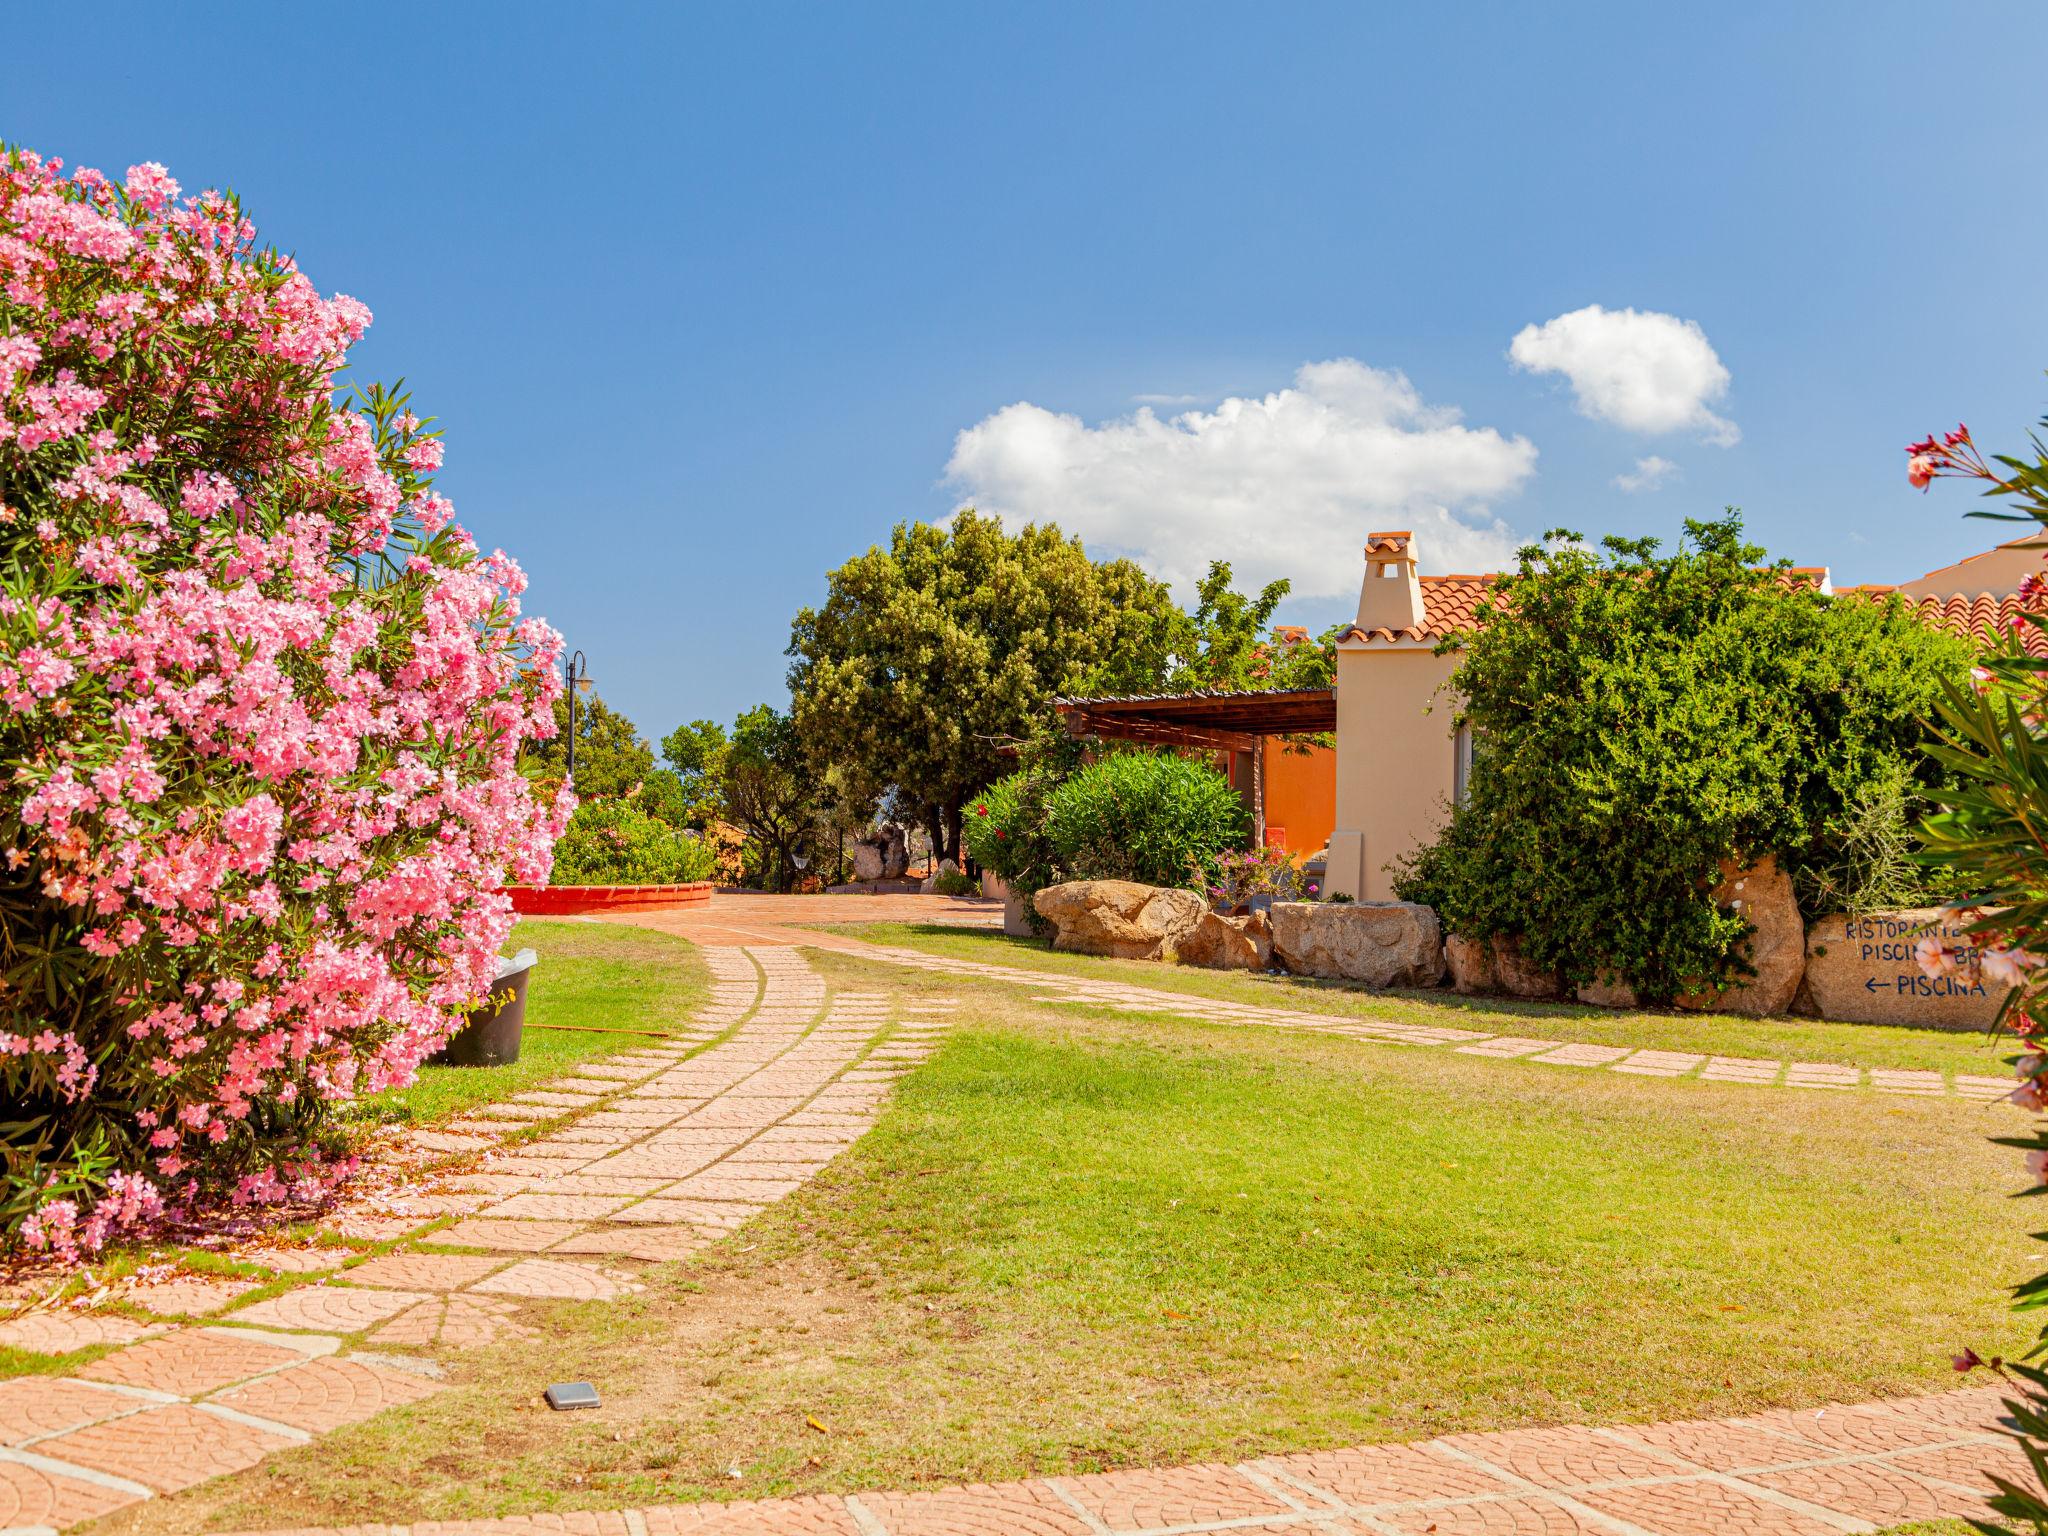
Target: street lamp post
[576,676]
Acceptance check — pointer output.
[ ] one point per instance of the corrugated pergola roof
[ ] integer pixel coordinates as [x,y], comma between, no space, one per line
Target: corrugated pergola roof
[1232,722]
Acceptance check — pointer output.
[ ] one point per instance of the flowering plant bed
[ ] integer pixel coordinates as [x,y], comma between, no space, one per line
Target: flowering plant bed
[566,900]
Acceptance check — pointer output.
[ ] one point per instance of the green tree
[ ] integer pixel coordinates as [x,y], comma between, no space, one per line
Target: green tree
[758,779]
[932,653]
[612,757]
[1642,717]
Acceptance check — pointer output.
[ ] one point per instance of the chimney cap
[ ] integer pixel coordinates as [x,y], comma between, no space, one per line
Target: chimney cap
[1395,543]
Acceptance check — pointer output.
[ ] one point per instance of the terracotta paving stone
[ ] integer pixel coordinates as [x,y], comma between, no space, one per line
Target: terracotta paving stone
[1702,1507]
[1866,1429]
[373,1229]
[323,1395]
[1723,1446]
[445,1141]
[1195,1495]
[1386,1474]
[1534,1515]
[32,1406]
[720,1186]
[581,1522]
[1980,1411]
[556,1207]
[31,1498]
[554,1280]
[652,1244]
[187,1296]
[1970,1465]
[189,1362]
[662,1211]
[297,1261]
[423,1271]
[1009,1509]
[495,1183]
[459,1321]
[1872,1491]
[59,1333]
[810,1515]
[166,1448]
[630,1185]
[328,1309]
[1565,1457]
[505,1236]
[542,1167]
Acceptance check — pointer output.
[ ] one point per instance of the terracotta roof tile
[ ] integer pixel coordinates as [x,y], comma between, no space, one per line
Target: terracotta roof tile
[1982,618]
[1450,605]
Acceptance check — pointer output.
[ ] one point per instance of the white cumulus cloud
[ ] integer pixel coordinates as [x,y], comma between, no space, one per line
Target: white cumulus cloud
[1648,475]
[1284,485]
[1645,371]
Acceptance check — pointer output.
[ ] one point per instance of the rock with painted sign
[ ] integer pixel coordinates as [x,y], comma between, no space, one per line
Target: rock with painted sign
[1861,970]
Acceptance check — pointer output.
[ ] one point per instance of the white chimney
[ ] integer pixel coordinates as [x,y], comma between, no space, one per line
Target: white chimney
[1390,597]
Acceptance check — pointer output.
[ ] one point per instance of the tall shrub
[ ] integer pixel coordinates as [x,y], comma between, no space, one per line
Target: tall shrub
[615,842]
[1642,717]
[261,702]
[1157,818]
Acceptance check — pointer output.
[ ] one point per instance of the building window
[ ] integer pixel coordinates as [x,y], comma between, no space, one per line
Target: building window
[1461,775]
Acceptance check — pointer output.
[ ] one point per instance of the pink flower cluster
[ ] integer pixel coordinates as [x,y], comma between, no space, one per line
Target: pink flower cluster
[262,704]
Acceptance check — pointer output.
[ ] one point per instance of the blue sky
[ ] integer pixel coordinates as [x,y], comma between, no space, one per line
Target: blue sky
[705,296]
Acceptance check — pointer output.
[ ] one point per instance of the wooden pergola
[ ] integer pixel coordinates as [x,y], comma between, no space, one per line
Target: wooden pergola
[1214,722]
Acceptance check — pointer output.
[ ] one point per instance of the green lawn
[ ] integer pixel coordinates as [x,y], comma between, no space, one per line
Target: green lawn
[1081,1240]
[1866,1045]
[589,974]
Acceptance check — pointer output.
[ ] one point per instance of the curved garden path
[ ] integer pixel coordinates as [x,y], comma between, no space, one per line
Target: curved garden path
[648,1154]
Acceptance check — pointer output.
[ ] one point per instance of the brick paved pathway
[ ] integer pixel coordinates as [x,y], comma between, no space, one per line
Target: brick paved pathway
[1810,1473]
[772,928]
[643,1156]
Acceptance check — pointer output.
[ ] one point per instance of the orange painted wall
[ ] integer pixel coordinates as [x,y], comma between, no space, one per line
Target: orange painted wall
[1301,795]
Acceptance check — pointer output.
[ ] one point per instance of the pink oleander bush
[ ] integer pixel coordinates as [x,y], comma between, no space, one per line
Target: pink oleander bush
[1990,832]
[261,704]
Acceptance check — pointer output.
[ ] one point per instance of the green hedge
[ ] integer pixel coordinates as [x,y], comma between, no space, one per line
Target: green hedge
[1156,818]
[614,842]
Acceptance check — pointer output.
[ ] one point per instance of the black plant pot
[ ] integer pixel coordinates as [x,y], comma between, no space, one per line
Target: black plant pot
[491,1036]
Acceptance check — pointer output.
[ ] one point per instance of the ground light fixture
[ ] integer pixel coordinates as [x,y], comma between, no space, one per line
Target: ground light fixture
[564,1395]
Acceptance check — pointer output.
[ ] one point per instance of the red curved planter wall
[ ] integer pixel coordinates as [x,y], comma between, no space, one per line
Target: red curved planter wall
[567,900]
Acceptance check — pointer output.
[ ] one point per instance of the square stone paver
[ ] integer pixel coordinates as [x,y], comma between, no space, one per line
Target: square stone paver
[328,1308]
[59,1333]
[32,1499]
[1532,1515]
[553,1279]
[808,1515]
[1386,1474]
[1013,1509]
[298,1261]
[189,1362]
[1702,1507]
[653,1244]
[323,1395]
[1722,1446]
[1197,1495]
[166,1448]
[505,1236]
[1970,1465]
[1565,1457]
[33,1406]
[1584,1055]
[1869,1490]
[423,1271]
[555,1207]
[716,1185]
[187,1295]
[718,1215]
[458,1321]
[1867,1429]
